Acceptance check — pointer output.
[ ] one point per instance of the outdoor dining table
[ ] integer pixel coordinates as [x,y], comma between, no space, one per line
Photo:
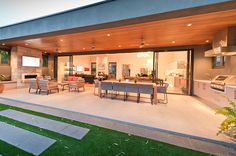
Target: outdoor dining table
[132,82]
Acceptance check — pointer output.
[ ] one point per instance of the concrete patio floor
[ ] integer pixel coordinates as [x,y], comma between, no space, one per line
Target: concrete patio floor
[183,114]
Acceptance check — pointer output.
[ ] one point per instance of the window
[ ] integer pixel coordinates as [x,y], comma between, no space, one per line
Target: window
[4,57]
[45,60]
[218,61]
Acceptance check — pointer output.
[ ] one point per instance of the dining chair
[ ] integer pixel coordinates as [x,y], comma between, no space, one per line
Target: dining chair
[146,89]
[163,89]
[118,87]
[106,86]
[131,88]
[96,86]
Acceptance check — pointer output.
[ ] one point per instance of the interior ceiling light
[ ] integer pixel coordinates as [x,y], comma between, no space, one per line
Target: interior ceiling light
[189,24]
[173,41]
[84,48]
[207,41]
[61,40]
[3,44]
[26,44]
[119,46]
[108,35]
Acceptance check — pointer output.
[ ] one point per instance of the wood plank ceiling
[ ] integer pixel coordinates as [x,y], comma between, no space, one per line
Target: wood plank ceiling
[192,30]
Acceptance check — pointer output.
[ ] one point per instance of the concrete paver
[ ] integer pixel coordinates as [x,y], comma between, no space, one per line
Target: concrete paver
[23,139]
[52,125]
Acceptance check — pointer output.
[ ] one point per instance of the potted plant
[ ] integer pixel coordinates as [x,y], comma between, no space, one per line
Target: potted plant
[228,126]
[2,78]
[184,90]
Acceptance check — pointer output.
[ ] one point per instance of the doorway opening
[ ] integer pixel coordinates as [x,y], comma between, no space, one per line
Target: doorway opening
[174,68]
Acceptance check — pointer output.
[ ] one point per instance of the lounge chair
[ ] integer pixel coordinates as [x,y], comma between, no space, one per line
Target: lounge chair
[34,85]
[47,86]
[76,85]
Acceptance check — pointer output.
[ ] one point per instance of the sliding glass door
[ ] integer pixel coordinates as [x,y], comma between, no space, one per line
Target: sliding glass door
[174,68]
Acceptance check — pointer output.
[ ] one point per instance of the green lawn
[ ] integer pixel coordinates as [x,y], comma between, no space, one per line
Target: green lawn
[99,141]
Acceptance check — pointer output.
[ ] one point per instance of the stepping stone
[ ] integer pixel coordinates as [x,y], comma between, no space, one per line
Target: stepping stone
[52,125]
[23,139]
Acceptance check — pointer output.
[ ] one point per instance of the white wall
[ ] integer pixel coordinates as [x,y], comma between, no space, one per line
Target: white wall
[84,61]
[168,62]
[61,66]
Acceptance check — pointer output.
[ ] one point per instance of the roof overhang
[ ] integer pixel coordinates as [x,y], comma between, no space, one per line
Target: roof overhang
[111,13]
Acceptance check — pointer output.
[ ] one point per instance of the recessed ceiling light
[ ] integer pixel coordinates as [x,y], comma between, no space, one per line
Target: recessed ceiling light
[173,42]
[207,41]
[3,44]
[26,44]
[61,40]
[108,35]
[189,24]
[84,48]
[119,46]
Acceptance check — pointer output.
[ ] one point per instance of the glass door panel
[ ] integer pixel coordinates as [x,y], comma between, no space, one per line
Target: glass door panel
[172,69]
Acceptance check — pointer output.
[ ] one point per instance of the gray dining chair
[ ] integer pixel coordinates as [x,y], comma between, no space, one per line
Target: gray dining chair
[146,89]
[163,89]
[106,86]
[131,88]
[96,86]
[118,87]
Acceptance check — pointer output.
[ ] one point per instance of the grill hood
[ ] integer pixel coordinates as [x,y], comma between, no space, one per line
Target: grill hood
[224,43]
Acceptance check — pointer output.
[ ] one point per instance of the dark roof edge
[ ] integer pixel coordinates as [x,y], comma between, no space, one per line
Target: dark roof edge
[61,12]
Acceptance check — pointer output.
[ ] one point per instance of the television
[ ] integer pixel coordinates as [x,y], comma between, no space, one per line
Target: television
[30,61]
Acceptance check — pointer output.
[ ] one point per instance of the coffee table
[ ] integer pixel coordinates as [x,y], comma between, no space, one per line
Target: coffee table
[63,84]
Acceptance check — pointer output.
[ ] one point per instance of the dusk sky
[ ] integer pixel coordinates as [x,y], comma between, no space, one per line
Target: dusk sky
[14,11]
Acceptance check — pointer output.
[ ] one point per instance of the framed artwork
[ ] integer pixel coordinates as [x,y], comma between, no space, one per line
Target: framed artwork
[101,66]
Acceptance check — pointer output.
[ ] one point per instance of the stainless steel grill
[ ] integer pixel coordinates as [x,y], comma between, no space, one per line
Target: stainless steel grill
[220,81]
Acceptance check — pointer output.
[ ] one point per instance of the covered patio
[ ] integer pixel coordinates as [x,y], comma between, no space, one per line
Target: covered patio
[184,115]
[59,46]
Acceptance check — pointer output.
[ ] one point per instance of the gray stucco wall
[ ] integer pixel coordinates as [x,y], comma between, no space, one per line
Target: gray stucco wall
[100,13]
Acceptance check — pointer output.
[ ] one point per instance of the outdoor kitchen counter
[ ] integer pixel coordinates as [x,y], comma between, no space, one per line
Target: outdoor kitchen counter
[202,89]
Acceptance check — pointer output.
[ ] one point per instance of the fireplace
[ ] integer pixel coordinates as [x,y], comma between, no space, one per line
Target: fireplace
[28,76]
[33,76]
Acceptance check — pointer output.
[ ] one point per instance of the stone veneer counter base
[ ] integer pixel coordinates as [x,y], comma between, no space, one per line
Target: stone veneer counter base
[23,139]
[52,125]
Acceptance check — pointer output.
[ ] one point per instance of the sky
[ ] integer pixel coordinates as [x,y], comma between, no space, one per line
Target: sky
[14,11]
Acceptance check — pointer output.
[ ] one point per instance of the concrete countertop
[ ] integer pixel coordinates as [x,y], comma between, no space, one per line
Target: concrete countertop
[204,81]
[209,81]
[231,86]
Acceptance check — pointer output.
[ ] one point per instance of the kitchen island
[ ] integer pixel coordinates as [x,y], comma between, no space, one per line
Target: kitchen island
[202,89]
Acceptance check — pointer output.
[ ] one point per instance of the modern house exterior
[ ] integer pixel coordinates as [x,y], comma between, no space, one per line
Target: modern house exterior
[186,43]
